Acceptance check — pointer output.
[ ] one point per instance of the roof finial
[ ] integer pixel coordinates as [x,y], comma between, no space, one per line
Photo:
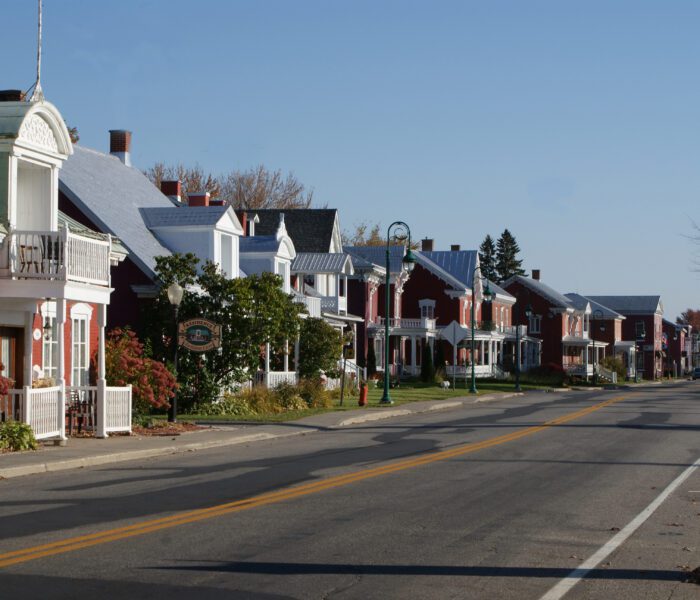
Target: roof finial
[38,94]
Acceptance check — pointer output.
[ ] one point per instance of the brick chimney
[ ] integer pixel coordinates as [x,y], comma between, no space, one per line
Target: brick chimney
[11,95]
[243,218]
[172,189]
[426,244]
[454,247]
[198,199]
[120,145]
[536,274]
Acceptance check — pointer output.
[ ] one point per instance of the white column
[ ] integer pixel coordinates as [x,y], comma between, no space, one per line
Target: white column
[101,373]
[413,355]
[28,345]
[286,355]
[267,364]
[61,364]
[585,359]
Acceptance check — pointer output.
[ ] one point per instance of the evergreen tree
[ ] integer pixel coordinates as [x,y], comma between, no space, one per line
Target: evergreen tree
[507,262]
[427,370]
[439,361]
[371,359]
[487,258]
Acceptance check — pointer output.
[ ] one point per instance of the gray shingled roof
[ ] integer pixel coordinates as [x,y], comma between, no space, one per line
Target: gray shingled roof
[626,305]
[322,262]
[311,229]
[555,298]
[580,302]
[110,194]
[183,216]
[377,255]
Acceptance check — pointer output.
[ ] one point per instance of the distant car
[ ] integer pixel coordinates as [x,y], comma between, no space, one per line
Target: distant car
[696,373]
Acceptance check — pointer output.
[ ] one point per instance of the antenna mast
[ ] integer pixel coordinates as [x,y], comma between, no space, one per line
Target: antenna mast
[38,94]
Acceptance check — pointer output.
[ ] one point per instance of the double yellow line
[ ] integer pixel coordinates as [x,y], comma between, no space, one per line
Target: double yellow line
[120,533]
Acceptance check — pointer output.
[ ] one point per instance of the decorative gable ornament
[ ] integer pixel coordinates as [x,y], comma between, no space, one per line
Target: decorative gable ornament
[37,132]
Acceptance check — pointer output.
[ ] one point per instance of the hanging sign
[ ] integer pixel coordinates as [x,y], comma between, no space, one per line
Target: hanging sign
[199,335]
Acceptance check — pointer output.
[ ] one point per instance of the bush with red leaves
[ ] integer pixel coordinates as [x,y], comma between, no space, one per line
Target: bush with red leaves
[152,383]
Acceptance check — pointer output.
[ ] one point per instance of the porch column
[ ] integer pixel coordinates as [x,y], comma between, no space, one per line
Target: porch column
[413,355]
[28,346]
[101,373]
[296,355]
[286,355]
[267,364]
[585,359]
[61,376]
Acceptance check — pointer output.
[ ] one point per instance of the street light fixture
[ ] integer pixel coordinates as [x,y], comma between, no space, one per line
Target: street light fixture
[401,233]
[597,314]
[175,293]
[488,296]
[528,314]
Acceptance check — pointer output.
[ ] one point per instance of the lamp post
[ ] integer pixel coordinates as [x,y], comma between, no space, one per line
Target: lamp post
[175,292]
[487,298]
[597,314]
[528,314]
[401,232]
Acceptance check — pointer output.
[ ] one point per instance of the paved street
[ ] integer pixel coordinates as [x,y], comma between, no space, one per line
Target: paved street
[500,500]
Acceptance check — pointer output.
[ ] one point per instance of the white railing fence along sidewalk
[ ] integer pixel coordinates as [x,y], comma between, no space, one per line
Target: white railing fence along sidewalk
[44,411]
[118,408]
[275,378]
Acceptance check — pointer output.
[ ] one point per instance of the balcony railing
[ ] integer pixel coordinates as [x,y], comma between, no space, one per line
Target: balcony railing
[405,323]
[333,304]
[312,304]
[513,330]
[57,255]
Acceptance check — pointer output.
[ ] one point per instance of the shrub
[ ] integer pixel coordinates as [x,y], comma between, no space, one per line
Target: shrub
[427,369]
[5,382]
[371,359]
[288,397]
[235,405]
[314,394]
[614,363]
[17,436]
[320,347]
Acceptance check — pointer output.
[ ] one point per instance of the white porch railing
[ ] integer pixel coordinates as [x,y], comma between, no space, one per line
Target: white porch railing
[516,330]
[462,371]
[579,369]
[334,304]
[312,304]
[274,378]
[406,323]
[44,412]
[117,409]
[58,255]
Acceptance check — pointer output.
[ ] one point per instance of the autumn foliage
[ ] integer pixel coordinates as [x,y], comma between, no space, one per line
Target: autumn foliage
[5,382]
[152,383]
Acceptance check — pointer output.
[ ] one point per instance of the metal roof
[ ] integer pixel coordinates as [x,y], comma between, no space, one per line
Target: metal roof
[580,302]
[259,243]
[322,262]
[637,305]
[460,264]
[377,255]
[111,195]
[555,298]
[183,216]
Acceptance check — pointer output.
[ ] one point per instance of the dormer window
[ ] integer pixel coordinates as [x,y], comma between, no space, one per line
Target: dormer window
[535,324]
[427,308]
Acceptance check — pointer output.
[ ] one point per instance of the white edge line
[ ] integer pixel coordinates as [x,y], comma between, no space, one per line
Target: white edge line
[561,588]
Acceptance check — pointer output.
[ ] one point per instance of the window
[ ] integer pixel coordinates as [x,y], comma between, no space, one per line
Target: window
[427,308]
[535,324]
[80,357]
[50,350]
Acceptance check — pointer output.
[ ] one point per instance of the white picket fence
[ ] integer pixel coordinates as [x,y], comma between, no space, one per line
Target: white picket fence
[118,409]
[44,412]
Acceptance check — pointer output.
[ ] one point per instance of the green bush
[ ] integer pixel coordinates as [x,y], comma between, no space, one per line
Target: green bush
[314,394]
[17,436]
[427,369]
[614,363]
[288,397]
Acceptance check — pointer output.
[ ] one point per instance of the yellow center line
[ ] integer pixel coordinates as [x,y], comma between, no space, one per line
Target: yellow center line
[111,535]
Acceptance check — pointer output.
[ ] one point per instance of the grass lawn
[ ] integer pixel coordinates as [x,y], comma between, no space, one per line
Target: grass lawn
[410,391]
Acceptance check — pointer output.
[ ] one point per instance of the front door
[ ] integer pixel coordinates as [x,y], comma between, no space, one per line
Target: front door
[11,352]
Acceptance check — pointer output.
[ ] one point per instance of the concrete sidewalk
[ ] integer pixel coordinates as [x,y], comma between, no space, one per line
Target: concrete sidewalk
[88,452]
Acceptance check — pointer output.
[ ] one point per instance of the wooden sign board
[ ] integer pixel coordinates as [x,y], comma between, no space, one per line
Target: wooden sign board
[199,335]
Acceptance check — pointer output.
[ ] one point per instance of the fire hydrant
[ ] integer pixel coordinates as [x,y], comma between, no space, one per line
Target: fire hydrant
[363,395]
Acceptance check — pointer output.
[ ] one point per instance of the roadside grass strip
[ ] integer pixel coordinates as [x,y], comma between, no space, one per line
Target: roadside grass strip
[85,541]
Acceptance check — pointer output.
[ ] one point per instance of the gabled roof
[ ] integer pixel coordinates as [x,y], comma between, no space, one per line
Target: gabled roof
[631,305]
[460,264]
[423,260]
[580,303]
[555,298]
[311,229]
[111,195]
[183,216]
[323,262]
[377,255]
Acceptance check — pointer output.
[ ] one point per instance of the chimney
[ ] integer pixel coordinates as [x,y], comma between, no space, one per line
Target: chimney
[536,274]
[11,96]
[217,202]
[198,199]
[120,145]
[243,218]
[172,189]
[454,248]
[426,244]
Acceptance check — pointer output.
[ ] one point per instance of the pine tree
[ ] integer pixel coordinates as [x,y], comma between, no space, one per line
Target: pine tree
[427,369]
[507,263]
[487,258]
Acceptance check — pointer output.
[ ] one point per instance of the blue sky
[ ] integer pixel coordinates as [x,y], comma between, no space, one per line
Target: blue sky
[573,124]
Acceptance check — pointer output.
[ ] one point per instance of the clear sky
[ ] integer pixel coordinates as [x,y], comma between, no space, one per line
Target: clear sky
[572,123]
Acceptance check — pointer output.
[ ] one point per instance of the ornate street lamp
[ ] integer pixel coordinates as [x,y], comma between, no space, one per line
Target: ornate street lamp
[528,314]
[175,292]
[488,295]
[401,233]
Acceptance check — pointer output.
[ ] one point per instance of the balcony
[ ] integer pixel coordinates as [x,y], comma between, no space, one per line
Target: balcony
[56,256]
[333,304]
[312,304]
[422,323]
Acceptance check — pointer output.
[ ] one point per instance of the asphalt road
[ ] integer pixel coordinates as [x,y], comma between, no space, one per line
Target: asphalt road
[488,501]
